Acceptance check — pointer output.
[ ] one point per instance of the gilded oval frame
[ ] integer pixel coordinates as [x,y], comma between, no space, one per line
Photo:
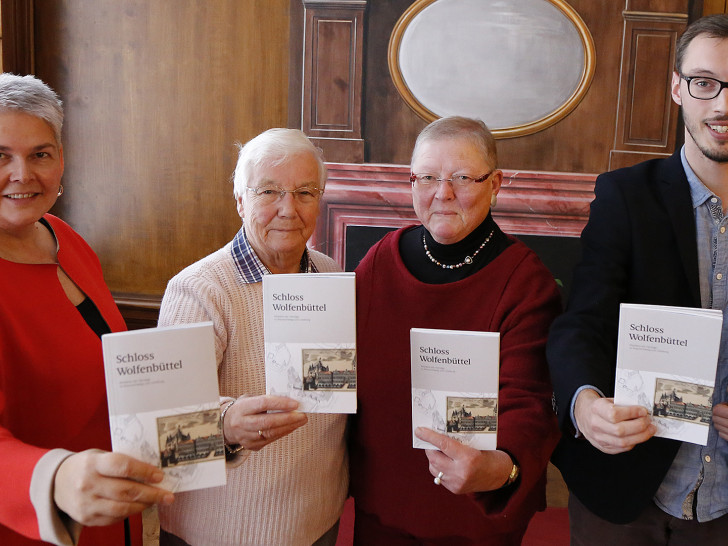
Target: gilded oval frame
[509,131]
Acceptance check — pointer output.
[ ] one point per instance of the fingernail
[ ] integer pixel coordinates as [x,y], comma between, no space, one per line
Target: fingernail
[168,499]
[158,476]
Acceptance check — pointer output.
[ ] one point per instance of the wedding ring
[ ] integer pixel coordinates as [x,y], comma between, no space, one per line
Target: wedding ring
[439,477]
[260,433]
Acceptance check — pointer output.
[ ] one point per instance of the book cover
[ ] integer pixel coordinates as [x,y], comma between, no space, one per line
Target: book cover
[310,340]
[455,385]
[666,362]
[164,407]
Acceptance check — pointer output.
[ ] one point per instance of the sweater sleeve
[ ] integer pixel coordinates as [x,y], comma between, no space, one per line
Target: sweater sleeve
[191,297]
[527,428]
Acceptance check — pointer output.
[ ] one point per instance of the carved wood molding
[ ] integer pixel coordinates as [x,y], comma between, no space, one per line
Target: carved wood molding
[138,310]
[332,77]
[647,117]
[17,37]
[533,203]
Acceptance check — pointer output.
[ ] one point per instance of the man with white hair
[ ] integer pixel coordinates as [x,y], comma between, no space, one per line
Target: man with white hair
[287,475]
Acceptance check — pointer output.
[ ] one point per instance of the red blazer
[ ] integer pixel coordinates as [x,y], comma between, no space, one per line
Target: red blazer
[52,388]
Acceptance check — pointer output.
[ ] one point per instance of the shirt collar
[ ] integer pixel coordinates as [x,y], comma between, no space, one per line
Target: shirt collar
[250,267]
[698,191]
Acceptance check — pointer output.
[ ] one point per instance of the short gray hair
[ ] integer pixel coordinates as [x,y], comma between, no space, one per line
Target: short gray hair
[270,149]
[29,95]
[473,130]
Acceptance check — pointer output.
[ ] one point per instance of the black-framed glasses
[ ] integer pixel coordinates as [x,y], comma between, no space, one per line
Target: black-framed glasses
[704,88]
[427,181]
[270,194]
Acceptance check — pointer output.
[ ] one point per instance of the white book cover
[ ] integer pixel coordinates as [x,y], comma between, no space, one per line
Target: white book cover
[455,385]
[164,406]
[666,362]
[310,340]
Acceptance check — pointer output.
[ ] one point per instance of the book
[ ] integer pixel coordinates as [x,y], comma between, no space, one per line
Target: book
[455,385]
[164,405]
[309,322]
[666,362]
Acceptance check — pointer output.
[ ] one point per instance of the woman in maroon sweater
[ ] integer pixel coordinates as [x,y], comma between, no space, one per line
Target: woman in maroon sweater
[456,271]
[54,306]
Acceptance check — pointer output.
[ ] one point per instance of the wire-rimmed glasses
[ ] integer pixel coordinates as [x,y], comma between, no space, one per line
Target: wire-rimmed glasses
[270,194]
[429,181]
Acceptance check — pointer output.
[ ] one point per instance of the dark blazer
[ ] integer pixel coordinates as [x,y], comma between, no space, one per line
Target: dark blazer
[638,247]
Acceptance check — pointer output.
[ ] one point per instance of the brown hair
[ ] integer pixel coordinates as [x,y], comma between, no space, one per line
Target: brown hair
[715,26]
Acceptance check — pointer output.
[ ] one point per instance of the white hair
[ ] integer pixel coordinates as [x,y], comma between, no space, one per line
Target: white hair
[29,95]
[473,130]
[270,149]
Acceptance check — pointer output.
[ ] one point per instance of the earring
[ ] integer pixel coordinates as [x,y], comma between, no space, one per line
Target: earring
[60,190]
[493,201]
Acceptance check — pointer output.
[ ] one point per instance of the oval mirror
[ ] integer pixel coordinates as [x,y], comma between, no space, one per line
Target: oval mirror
[519,66]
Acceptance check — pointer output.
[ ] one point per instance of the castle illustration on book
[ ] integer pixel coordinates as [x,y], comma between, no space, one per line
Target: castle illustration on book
[666,362]
[164,407]
[472,414]
[310,340]
[455,385]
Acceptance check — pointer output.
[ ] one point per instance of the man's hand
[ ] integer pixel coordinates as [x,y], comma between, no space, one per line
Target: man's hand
[611,429]
[720,420]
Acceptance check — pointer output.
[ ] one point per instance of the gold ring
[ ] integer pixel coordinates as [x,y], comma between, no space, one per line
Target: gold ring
[260,433]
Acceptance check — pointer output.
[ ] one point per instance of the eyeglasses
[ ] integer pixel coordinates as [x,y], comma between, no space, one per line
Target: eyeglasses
[270,194]
[428,181]
[703,88]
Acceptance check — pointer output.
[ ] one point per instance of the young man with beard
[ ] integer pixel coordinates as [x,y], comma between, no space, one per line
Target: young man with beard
[657,234]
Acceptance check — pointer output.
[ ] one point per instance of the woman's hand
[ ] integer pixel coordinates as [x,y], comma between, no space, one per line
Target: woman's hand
[99,488]
[464,469]
[248,424]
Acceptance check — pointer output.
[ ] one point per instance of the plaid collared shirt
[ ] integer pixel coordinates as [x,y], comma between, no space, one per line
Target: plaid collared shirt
[250,267]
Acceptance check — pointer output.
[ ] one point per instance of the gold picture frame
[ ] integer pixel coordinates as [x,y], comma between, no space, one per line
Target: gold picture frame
[558,106]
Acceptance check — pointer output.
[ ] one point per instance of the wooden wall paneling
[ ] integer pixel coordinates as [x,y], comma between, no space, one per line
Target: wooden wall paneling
[156,94]
[659,6]
[332,77]
[17,36]
[711,7]
[647,117]
[529,203]
[139,311]
[390,127]
[295,66]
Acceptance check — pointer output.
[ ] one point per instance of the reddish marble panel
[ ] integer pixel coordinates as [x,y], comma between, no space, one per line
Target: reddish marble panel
[530,203]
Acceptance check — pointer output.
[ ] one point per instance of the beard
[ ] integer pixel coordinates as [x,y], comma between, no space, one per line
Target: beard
[718,153]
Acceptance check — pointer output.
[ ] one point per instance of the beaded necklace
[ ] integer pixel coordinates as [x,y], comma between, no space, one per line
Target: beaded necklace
[468,259]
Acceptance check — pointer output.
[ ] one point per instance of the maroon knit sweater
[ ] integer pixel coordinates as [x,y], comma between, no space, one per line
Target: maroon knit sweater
[514,295]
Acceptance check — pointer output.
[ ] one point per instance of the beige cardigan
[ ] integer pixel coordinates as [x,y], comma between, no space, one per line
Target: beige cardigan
[293,490]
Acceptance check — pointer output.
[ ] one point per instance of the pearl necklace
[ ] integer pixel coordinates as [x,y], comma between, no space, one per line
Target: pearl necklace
[467,261]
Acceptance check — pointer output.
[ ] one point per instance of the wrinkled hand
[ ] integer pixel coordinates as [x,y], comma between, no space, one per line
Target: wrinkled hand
[720,420]
[611,429]
[99,488]
[247,416]
[464,469]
